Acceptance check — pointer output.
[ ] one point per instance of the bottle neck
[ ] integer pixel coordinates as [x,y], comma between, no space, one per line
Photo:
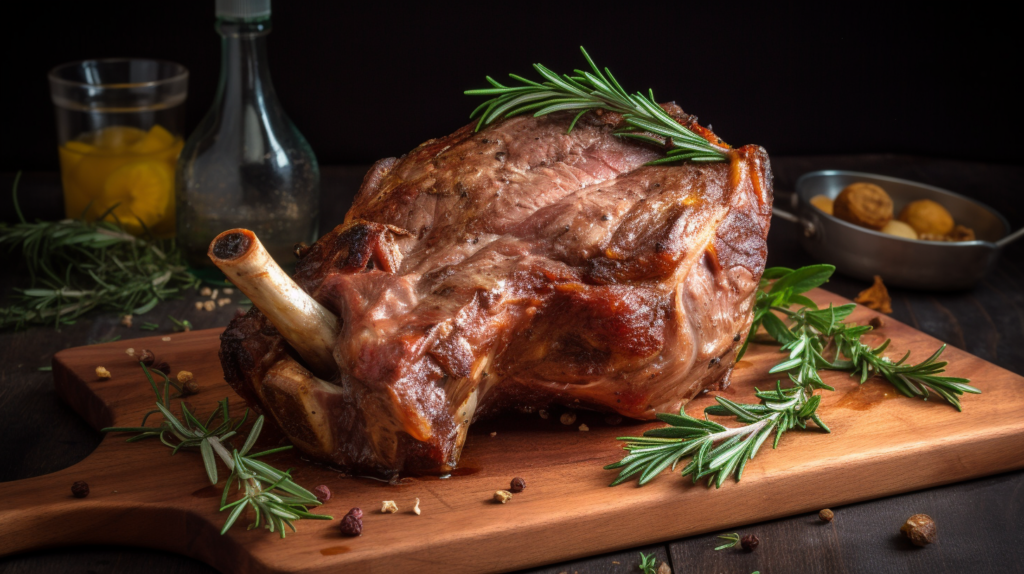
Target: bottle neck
[244,73]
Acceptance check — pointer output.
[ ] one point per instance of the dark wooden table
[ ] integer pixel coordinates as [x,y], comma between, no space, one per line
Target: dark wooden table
[981,522]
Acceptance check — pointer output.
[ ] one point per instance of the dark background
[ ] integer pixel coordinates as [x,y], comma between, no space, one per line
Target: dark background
[376,79]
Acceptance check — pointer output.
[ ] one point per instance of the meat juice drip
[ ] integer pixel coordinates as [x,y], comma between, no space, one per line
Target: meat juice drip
[334,550]
[866,396]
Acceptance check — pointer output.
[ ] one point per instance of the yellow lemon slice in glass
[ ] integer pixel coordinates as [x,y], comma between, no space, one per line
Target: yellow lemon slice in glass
[157,139]
[143,190]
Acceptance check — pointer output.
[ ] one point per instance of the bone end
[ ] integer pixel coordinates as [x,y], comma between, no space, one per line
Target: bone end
[307,325]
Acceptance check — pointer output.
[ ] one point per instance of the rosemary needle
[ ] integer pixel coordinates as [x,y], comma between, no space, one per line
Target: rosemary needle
[648,564]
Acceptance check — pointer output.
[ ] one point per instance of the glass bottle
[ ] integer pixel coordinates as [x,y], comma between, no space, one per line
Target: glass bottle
[246,165]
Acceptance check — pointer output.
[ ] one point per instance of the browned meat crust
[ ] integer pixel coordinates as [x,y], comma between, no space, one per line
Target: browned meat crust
[515,267]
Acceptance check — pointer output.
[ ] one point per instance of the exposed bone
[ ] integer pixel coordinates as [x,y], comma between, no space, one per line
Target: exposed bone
[293,394]
[308,326]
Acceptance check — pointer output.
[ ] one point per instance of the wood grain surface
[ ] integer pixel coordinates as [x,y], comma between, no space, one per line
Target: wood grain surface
[882,444]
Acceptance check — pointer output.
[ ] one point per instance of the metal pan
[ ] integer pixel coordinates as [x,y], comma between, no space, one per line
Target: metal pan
[863,253]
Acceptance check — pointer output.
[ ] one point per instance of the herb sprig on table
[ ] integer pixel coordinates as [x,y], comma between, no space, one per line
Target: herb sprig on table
[276,500]
[716,451]
[813,330]
[77,266]
[595,90]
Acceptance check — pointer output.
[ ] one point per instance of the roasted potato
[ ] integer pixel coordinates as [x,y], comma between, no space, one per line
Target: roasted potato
[864,204]
[927,217]
[899,229]
[823,203]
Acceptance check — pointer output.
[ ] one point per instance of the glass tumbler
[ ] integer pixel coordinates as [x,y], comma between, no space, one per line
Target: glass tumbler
[119,131]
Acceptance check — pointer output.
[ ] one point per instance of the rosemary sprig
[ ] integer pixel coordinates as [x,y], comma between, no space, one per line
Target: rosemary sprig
[648,564]
[76,266]
[779,411]
[590,90]
[180,325]
[812,331]
[731,540]
[276,500]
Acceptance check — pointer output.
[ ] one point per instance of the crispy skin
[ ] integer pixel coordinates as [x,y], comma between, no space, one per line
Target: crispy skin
[511,268]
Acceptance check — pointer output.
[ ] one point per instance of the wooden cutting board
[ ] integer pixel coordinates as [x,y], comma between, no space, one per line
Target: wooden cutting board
[882,444]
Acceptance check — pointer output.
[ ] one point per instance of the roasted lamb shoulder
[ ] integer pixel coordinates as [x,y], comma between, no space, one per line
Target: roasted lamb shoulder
[512,268]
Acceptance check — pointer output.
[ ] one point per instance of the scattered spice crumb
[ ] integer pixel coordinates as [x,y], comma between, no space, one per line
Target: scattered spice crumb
[80,489]
[663,568]
[502,496]
[876,297]
[568,418]
[184,376]
[147,357]
[749,542]
[165,339]
[229,291]
[920,529]
[389,506]
[130,352]
[615,562]
[826,515]
[494,434]
[352,524]
[322,493]
[584,428]
[199,305]
[209,305]
[543,414]
[416,508]
[223,301]
[518,484]
[102,373]
[214,294]
[205,291]
[876,323]
[126,320]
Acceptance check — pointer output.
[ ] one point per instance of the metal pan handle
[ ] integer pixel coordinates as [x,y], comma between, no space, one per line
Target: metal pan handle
[807,226]
[1004,241]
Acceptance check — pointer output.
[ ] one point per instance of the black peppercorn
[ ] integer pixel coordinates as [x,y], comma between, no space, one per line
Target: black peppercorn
[162,366]
[749,542]
[147,357]
[352,524]
[518,484]
[80,489]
